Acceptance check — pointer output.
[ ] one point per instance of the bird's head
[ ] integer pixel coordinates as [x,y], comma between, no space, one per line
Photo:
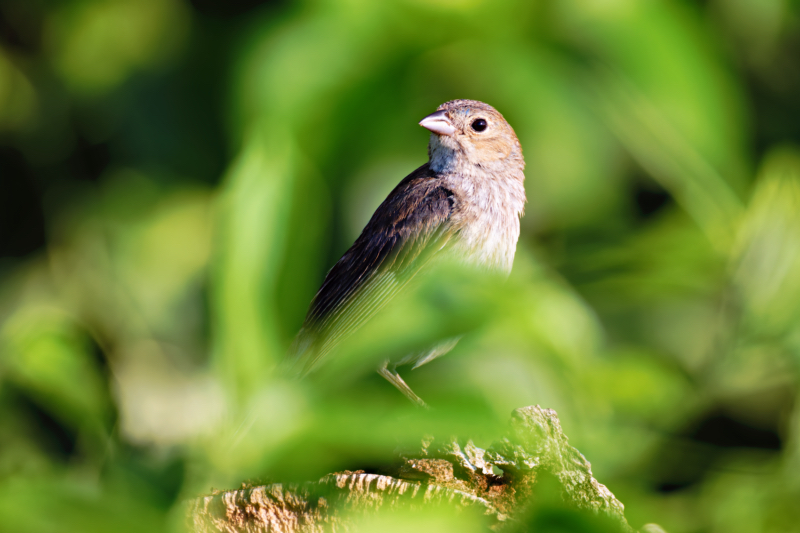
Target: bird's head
[468,135]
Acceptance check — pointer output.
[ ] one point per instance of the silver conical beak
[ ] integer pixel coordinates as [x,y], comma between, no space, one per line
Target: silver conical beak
[438,123]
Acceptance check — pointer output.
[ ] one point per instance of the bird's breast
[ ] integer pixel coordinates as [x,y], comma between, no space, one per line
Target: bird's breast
[486,215]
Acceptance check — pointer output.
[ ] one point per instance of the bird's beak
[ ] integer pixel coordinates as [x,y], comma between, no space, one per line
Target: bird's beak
[438,123]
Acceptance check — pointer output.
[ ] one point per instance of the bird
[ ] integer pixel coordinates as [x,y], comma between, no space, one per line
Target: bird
[465,203]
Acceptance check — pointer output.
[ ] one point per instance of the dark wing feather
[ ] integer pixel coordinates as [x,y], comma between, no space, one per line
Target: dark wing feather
[407,228]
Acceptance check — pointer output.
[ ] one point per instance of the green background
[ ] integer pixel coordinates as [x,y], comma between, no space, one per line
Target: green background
[177,177]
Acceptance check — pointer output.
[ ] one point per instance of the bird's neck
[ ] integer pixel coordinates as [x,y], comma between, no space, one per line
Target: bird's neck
[448,157]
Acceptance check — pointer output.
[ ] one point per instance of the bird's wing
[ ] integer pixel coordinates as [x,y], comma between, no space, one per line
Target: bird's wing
[409,227]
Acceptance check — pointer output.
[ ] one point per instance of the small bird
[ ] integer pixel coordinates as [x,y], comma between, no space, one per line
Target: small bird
[466,201]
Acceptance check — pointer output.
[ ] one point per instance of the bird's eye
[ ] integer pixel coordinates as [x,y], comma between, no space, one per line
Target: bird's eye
[479,124]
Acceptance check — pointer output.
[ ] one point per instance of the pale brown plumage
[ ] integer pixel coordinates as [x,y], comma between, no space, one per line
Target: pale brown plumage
[467,201]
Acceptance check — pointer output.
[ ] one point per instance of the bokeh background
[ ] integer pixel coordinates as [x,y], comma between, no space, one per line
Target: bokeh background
[176,177]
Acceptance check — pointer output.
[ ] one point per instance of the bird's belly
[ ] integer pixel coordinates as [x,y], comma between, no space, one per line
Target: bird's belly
[489,244]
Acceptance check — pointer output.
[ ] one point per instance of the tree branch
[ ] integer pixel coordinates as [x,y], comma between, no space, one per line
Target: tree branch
[500,480]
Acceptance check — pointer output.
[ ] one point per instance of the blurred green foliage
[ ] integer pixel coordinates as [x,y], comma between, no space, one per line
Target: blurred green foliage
[179,176]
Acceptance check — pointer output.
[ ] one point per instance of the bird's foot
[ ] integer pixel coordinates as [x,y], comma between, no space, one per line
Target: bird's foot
[394,378]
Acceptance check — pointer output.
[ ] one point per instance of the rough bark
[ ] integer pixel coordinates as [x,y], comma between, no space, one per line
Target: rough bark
[499,480]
